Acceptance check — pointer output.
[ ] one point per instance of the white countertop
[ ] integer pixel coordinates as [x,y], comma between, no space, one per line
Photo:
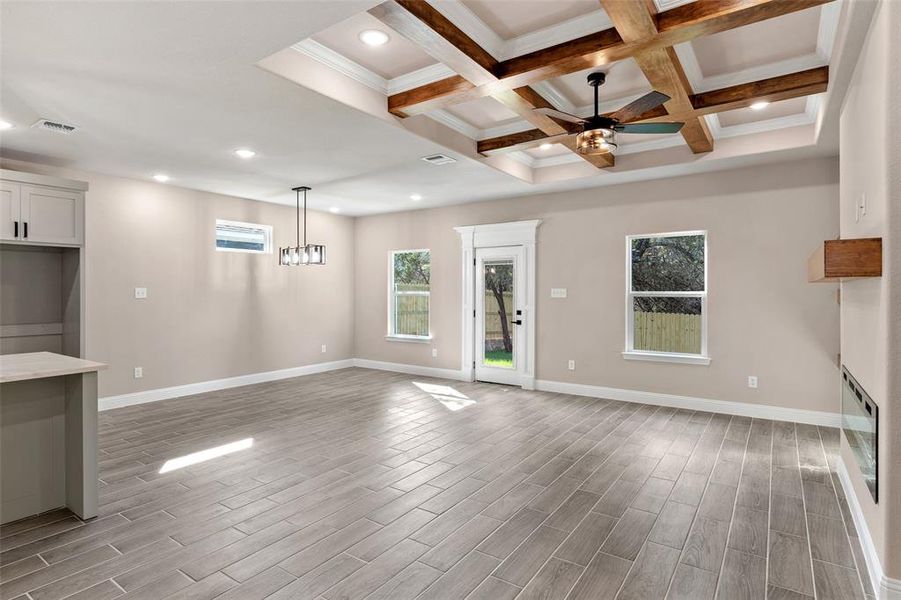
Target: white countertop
[38,365]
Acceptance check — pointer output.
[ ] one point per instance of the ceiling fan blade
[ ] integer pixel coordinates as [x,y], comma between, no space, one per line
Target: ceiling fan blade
[649,127]
[635,109]
[558,114]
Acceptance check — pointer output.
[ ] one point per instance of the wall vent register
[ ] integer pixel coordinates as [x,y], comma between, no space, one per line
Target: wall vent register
[860,422]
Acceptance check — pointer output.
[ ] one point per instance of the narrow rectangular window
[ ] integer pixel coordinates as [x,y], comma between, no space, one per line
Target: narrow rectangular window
[409,294]
[234,236]
[666,297]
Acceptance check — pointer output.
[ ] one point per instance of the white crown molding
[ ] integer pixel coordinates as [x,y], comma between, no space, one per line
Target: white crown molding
[110,402]
[423,76]
[886,588]
[556,34]
[342,64]
[553,95]
[457,124]
[461,16]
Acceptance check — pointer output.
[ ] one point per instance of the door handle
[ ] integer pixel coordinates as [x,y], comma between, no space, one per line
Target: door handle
[15,229]
[517,322]
[25,223]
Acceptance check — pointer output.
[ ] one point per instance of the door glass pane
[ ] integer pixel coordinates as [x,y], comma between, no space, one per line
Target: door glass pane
[667,324]
[500,313]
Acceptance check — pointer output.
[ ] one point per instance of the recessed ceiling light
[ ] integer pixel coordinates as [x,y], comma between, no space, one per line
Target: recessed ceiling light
[373,37]
[334,209]
[759,105]
[545,146]
[5,125]
[245,153]
[415,197]
[161,177]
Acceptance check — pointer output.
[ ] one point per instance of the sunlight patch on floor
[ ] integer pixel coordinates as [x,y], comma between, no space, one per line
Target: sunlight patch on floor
[205,455]
[446,395]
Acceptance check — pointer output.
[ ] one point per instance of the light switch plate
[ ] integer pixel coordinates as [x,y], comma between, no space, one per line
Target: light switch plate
[139,372]
[434,352]
[752,382]
[323,348]
[558,292]
[140,292]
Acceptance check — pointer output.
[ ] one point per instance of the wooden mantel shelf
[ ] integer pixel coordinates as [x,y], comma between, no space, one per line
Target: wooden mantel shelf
[843,259]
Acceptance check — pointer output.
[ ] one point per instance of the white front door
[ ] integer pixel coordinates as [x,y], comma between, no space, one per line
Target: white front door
[500,336]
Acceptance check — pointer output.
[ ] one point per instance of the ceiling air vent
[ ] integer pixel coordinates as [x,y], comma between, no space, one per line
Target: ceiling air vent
[439,159]
[54,126]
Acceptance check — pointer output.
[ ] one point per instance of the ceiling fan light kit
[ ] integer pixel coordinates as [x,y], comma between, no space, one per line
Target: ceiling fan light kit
[305,254]
[596,141]
[598,135]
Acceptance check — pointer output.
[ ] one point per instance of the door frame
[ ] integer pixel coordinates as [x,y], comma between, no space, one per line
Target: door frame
[516,233]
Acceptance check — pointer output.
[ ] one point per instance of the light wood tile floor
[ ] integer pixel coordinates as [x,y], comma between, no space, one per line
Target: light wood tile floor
[368,484]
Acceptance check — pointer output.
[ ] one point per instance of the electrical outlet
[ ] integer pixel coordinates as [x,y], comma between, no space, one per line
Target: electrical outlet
[752,381]
[323,348]
[571,365]
[139,372]
[434,352]
[140,292]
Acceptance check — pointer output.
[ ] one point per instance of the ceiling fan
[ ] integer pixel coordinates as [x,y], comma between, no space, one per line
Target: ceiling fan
[598,134]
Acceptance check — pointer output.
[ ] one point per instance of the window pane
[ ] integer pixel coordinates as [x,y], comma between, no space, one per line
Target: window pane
[411,279]
[411,316]
[412,268]
[238,236]
[667,324]
[668,264]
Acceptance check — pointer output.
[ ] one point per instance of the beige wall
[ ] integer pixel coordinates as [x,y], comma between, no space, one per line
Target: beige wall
[762,223]
[208,315]
[870,314]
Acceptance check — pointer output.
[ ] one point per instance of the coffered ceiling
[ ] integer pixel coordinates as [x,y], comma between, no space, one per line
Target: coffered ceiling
[175,87]
[780,53]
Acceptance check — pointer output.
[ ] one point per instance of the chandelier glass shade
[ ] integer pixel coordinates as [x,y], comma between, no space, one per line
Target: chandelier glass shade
[596,141]
[301,254]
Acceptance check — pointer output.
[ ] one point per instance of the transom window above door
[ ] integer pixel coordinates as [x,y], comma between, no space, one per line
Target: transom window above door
[666,297]
[409,291]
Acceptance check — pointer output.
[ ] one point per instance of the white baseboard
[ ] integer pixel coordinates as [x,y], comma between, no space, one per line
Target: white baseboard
[110,402]
[886,588]
[743,409]
[411,369]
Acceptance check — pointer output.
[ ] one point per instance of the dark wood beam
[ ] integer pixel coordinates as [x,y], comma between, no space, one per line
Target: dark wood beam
[419,22]
[674,26]
[634,20]
[773,89]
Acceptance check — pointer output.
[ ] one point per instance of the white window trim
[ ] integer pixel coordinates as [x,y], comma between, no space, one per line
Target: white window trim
[267,228]
[670,357]
[391,336]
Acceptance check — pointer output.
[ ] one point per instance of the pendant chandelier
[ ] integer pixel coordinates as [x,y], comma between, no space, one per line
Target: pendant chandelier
[306,254]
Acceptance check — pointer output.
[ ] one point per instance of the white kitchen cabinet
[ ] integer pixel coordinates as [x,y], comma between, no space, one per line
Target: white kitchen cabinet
[41,210]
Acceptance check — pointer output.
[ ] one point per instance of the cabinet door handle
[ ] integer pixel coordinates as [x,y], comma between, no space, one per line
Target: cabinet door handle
[15,229]
[25,223]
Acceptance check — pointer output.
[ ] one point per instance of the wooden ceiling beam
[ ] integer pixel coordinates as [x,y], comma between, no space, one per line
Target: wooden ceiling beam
[419,22]
[634,20]
[675,26]
[773,89]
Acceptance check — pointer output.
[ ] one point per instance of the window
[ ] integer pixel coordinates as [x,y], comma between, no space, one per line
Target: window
[666,299]
[233,236]
[408,290]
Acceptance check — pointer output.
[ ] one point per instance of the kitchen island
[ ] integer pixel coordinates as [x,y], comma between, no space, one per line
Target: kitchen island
[48,434]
